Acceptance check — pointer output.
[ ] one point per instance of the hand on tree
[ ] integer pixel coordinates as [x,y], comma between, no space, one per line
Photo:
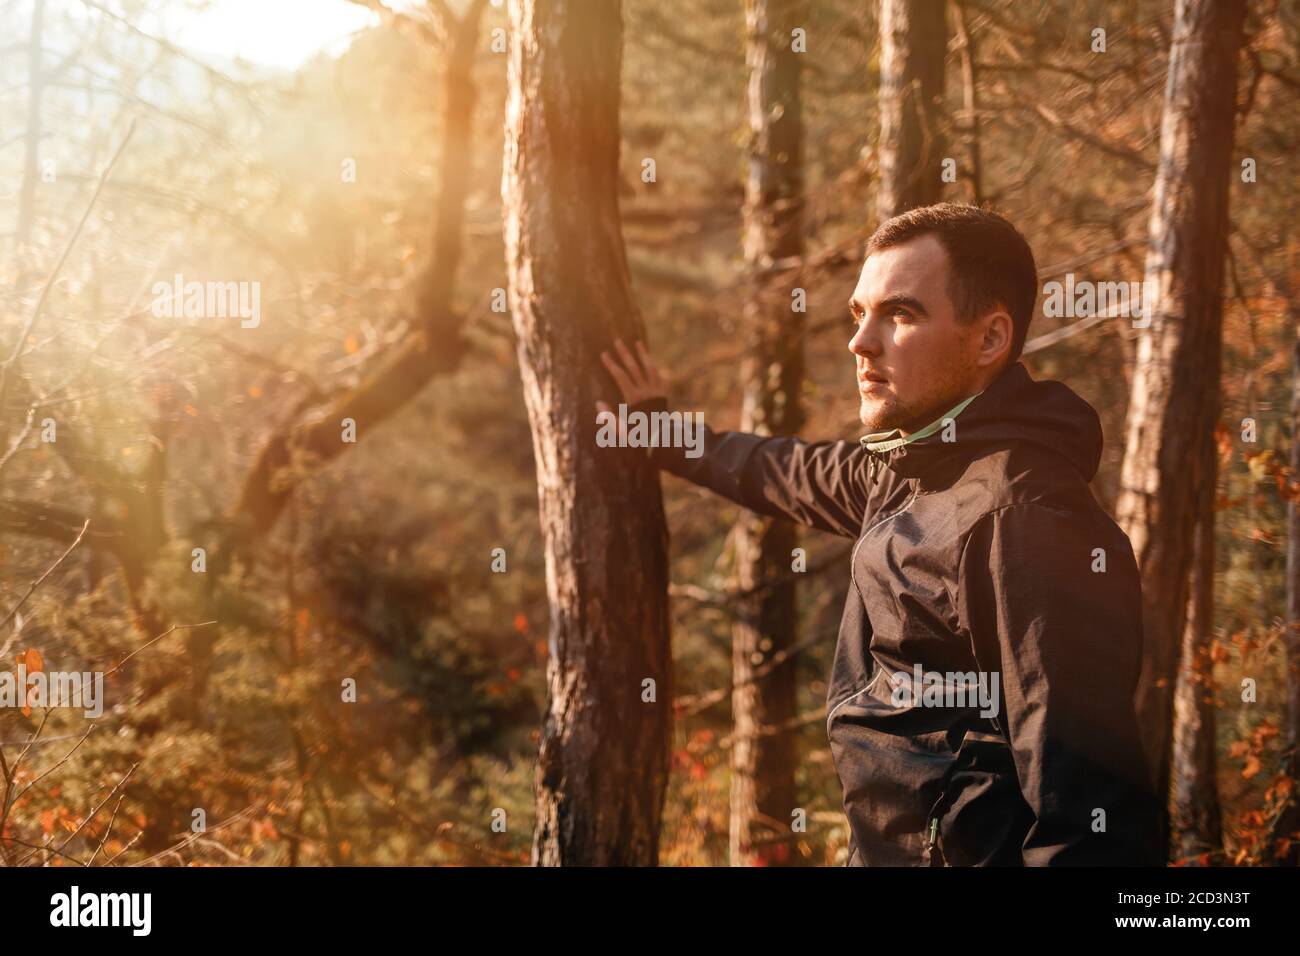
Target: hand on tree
[638,381]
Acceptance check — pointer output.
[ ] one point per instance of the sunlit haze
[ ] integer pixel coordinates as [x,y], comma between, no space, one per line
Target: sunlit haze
[279,33]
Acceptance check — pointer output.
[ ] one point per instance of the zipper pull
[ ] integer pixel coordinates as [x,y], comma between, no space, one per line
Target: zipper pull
[934,832]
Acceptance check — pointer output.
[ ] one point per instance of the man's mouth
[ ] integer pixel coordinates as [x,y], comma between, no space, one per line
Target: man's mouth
[870,381]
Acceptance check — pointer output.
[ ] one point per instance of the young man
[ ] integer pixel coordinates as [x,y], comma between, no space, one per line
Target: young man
[980,707]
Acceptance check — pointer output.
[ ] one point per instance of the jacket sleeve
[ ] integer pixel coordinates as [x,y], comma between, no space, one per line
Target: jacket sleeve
[823,484]
[1066,640]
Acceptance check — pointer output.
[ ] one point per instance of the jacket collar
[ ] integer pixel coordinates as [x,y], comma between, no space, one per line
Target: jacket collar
[883,442]
[917,455]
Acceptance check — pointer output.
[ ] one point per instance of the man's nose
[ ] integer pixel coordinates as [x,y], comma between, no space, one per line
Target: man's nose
[864,341]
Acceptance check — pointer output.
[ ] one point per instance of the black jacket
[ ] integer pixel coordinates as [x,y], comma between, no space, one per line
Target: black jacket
[979,554]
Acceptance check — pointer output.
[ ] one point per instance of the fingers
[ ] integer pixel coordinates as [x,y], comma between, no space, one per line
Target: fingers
[630,363]
[617,374]
[636,376]
[653,377]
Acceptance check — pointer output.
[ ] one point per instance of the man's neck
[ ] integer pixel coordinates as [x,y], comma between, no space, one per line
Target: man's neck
[889,440]
[973,388]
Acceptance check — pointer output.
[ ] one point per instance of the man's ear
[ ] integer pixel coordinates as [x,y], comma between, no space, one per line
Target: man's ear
[995,342]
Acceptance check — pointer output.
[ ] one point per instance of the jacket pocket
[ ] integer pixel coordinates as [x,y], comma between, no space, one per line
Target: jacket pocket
[982,818]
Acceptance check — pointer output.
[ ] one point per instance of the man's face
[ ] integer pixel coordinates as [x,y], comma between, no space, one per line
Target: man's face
[914,359]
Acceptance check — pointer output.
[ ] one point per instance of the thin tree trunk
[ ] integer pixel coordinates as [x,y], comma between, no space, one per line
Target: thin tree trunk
[763,757]
[1197,820]
[1175,397]
[1286,829]
[603,766]
[970,101]
[913,45]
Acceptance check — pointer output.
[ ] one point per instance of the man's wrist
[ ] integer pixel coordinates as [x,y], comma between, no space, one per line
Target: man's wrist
[656,403]
[661,457]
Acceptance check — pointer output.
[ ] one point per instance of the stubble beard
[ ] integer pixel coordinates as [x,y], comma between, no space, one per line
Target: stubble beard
[878,416]
[885,410]
[891,413]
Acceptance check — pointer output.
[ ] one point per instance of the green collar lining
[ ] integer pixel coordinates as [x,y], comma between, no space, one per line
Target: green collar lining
[887,441]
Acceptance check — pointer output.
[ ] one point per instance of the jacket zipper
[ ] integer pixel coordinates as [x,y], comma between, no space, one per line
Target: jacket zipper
[853,577]
[933,853]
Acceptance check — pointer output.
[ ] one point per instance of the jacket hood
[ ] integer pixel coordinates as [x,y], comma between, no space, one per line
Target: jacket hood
[1014,410]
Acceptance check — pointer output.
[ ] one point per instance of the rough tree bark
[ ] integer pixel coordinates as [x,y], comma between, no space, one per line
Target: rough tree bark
[603,766]
[1286,828]
[763,756]
[1197,820]
[1175,397]
[970,102]
[913,44]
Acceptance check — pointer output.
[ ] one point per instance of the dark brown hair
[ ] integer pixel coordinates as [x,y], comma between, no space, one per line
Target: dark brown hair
[991,262]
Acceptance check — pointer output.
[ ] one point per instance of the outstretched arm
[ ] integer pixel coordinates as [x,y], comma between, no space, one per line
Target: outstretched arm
[823,485]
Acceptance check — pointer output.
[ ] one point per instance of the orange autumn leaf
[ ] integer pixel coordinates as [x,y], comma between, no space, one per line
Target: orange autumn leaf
[1252,767]
[521,623]
[47,822]
[31,660]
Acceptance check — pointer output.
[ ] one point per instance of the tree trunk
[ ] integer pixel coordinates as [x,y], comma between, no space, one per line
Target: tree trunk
[913,44]
[603,766]
[763,756]
[970,102]
[1175,397]
[1197,821]
[1286,829]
